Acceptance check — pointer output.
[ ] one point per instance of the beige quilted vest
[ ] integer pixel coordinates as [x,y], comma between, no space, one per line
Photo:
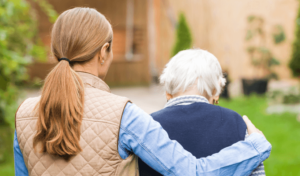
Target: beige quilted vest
[99,136]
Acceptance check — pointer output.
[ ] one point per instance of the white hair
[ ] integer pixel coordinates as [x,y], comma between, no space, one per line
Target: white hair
[193,67]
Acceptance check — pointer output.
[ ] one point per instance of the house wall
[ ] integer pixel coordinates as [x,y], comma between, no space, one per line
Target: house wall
[216,25]
[231,17]
[220,27]
[168,12]
[122,71]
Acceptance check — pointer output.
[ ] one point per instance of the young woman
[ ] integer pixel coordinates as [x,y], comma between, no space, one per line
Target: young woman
[77,127]
[193,81]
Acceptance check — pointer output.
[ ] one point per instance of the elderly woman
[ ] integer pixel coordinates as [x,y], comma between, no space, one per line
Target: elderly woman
[193,81]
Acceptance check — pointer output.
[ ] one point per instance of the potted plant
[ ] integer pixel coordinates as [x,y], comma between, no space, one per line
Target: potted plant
[225,92]
[261,57]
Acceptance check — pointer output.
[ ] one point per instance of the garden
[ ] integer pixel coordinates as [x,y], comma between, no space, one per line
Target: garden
[282,130]
[20,46]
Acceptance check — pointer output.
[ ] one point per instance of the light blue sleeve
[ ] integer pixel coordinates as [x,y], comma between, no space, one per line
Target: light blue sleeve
[260,170]
[20,167]
[141,135]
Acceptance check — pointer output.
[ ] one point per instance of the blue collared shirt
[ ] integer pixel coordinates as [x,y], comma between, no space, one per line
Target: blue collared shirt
[144,137]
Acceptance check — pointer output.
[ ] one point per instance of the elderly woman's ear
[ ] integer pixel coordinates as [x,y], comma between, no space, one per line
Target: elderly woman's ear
[215,100]
[168,96]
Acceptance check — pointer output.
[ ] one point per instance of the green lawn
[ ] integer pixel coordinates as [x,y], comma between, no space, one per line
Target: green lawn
[7,169]
[6,151]
[283,131]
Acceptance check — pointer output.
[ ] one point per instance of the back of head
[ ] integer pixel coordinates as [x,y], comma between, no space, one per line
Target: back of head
[78,34]
[193,67]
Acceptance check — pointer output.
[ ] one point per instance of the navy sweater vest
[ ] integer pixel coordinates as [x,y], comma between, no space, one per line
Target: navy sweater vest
[201,128]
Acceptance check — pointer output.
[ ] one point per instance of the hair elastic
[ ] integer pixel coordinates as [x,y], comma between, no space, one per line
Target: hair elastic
[63,58]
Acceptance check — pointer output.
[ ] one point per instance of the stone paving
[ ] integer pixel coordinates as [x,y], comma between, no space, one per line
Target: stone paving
[150,99]
[281,108]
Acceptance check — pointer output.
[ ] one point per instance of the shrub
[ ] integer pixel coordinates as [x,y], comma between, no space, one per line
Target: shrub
[183,36]
[295,62]
[19,44]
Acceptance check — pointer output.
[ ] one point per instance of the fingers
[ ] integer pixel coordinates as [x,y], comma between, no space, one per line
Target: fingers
[250,127]
[249,124]
[260,132]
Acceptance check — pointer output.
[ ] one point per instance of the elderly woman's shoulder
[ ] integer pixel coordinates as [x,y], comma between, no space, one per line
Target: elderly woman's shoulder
[230,113]
[234,119]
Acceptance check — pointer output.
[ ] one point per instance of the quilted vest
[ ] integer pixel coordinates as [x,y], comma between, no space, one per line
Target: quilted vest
[99,137]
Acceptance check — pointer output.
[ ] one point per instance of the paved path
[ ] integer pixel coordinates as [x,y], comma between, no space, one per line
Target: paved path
[282,108]
[150,99]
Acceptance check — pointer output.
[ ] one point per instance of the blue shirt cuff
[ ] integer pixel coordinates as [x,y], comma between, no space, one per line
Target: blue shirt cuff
[261,144]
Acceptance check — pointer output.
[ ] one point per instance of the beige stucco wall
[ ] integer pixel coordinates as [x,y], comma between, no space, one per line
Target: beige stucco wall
[169,10]
[220,26]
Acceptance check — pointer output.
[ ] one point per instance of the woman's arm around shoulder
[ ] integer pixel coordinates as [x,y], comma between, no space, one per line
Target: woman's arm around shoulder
[141,135]
[260,170]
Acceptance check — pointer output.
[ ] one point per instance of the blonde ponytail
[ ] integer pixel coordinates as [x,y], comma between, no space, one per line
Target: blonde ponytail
[60,112]
[78,34]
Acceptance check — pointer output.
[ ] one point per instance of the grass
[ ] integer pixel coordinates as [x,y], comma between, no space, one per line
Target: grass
[6,151]
[282,130]
[7,169]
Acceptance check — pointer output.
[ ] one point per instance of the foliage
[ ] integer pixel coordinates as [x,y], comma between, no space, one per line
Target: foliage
[291,99]
[292,96]
[295,61]
[19,44]
[6,143]
[281,130]
[278,35]
[261,57]
[48,10]
[183,36]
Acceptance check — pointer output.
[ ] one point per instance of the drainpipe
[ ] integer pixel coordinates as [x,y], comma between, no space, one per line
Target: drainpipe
[152,41]
[129,29]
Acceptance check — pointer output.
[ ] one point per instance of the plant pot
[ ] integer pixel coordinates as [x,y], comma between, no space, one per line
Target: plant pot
[225,93]
[258,86]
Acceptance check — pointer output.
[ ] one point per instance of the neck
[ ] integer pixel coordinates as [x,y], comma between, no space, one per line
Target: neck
[192,91]
[87,67]
[81,69]
[189,92]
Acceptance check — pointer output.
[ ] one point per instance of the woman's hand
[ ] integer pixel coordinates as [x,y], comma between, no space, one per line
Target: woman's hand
[250,127]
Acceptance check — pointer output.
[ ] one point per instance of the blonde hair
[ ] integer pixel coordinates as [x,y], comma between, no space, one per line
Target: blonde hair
[193,67]
[78,34]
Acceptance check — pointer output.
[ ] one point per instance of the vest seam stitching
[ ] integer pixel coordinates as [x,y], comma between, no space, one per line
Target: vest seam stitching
[34,118]
[27,118]
[95,120]
[127,100]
